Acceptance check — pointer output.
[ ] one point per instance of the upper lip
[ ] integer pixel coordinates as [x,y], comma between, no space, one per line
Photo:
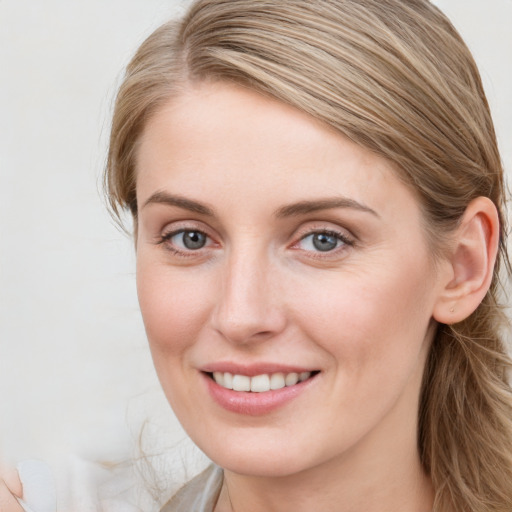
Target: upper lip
[253,369]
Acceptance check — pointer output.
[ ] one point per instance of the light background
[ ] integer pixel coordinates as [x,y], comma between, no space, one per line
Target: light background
[75,372]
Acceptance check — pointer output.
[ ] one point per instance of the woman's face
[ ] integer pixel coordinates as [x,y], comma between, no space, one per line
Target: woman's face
[270,248]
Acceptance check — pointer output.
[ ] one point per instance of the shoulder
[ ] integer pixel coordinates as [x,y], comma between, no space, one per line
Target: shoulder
[198,495]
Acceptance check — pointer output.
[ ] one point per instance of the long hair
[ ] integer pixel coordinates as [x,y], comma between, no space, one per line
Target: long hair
[395,77]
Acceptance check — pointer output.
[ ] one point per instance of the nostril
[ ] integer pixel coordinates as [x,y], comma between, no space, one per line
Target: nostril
[243,332]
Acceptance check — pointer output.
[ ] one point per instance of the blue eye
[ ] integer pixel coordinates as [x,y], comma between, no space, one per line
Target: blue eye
[190,240]
[324,241]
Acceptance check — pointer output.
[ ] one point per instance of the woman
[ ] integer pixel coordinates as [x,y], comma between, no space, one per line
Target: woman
[318,204]
[318,201]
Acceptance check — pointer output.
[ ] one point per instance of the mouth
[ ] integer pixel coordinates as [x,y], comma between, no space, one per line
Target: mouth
[257,389]
[262,383]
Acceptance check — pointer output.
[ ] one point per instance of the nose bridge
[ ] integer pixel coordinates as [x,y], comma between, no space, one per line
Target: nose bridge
[247,308]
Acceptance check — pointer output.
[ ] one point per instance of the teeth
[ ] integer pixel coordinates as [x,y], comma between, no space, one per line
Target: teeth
[259,383]
[277,381]
[303,376]
[241,383]
[291,379]
[228,381]
[218,377]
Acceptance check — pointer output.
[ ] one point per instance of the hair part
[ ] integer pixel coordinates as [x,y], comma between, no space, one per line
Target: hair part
[395,77]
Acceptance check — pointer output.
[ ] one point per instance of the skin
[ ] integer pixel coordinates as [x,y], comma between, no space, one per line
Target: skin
[259,290]
[10,489]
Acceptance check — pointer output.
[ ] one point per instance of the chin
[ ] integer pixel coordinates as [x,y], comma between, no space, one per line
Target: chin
[261,459]
[261,465]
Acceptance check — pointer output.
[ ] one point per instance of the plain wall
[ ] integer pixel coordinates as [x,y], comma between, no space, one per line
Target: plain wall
[75,373]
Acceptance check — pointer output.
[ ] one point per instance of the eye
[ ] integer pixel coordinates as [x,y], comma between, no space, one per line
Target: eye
[323,241]
[186,239]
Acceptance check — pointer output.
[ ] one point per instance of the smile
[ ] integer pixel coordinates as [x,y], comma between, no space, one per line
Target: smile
[259,383]
[258,393]
[258,388]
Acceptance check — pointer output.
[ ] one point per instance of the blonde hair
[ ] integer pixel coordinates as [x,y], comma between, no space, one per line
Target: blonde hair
[395,77]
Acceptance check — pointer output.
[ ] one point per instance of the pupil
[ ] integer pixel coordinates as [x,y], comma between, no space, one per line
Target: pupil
[194,239]
[324,242]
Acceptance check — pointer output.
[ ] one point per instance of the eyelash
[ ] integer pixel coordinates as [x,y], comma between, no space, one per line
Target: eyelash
[165,238]
[341,237]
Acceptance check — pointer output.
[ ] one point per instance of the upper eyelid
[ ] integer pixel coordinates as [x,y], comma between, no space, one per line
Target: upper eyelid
[176,230]
[323,227]
[185,225]
[346,240]
[335,231]
[166,235]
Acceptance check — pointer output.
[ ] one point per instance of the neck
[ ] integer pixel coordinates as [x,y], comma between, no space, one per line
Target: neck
[337,486]
[399,489]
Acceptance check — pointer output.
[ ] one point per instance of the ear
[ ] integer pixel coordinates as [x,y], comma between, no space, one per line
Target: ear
[471,262]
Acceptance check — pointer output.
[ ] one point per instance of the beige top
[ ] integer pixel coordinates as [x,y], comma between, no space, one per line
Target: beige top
[198,495]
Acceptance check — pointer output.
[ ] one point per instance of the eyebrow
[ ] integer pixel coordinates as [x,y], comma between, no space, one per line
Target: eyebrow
[305,207]
[291,210]
[179,201]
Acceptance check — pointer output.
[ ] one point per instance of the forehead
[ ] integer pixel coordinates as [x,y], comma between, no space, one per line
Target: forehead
[224,138]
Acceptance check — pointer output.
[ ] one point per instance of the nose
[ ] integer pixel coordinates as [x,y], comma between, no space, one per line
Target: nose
[249,306]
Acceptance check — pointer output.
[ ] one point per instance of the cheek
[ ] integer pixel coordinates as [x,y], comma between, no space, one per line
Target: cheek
[173,310]
[375,319]
[174,307]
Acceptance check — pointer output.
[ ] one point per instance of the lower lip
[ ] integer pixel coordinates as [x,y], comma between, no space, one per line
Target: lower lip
[255,404]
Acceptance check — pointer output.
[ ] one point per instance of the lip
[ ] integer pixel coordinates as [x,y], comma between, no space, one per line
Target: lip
[254,404]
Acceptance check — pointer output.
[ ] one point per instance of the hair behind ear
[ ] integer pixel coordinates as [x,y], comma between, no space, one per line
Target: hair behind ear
[465,435]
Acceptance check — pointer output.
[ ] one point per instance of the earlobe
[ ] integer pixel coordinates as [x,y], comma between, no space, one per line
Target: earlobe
[471,259]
